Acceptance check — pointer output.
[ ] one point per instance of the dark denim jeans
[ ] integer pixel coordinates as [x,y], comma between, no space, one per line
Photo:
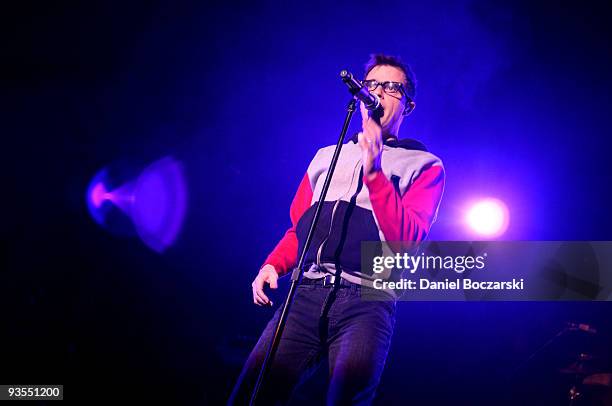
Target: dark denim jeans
[354,334]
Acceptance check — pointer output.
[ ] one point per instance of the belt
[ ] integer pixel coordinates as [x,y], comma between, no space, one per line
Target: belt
[328,281]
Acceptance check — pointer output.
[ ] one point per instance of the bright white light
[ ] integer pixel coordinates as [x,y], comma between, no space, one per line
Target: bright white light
[488,217]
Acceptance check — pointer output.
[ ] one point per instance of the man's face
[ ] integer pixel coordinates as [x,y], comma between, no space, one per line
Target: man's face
[393,104]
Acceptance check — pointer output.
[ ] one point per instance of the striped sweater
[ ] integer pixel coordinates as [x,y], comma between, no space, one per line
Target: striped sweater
[399,204]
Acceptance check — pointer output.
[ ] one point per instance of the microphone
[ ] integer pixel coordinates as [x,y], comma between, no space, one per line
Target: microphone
[370,101]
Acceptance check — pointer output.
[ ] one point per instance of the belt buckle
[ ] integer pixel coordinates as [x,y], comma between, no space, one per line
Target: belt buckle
[329,280]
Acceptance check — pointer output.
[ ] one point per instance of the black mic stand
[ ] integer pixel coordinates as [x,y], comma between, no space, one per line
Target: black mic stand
[298,272]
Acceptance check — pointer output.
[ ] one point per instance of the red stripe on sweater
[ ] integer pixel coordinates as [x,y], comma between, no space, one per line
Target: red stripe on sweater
[284,255]
[408,217]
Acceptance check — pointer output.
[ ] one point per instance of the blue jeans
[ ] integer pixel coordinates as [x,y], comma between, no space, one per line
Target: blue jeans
[355,335]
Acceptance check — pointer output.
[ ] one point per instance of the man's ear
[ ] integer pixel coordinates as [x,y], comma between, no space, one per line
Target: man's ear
[410,105]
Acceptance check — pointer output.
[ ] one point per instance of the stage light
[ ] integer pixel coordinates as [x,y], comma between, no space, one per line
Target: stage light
[98,194]
[488,218]
[155,202]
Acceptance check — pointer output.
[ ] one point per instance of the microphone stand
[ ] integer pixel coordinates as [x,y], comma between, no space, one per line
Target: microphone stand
[298,272]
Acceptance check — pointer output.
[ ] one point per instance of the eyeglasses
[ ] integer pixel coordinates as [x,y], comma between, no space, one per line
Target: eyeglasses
[391,88]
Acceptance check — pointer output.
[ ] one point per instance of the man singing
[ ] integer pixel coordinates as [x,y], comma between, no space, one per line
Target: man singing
[383,189]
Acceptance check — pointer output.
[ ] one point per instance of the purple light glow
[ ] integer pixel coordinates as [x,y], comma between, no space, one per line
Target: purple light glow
[160,203]
[98,195]
[488,218]
[156,202]
[123,197]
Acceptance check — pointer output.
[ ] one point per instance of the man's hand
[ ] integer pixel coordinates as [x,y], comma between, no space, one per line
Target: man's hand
[267,274]
[370,141]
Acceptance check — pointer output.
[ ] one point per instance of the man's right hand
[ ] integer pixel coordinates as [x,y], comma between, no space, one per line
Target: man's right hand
[268,275]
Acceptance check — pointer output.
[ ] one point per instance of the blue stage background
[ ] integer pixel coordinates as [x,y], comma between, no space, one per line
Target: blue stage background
[513,96]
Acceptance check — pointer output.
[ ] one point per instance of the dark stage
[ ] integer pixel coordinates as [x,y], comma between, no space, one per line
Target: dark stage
[234,99]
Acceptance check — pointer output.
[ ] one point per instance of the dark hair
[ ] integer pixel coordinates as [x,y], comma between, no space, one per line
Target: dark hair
[395,61]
